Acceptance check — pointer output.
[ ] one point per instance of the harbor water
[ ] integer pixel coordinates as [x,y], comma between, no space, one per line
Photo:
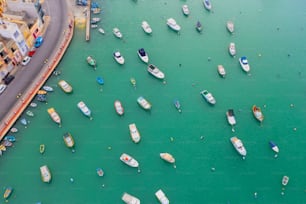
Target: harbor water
[207,169]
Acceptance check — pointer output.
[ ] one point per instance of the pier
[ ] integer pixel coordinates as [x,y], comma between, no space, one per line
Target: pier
[87,38]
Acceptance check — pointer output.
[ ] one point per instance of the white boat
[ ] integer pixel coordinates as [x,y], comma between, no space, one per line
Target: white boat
[230,115]
[274,147]
[173,25]
[146,27]
[129,199]
[54,115]
[118,107]
[239,146]
[117,33]
[244,64]
[167,157]
[144,103]
[230,26]
[208,97]
[45,174]
[162,198]
[67,88]
[207,4]
[47,88]
[95,19]
[93,25]
[143,55]
[152,69]
[134,133]
[14,130]
[101,30]
[33,105]
[221,70]
[85,110]
[118,57]
[232,49]
[128,160]
[285,180]
[185,10]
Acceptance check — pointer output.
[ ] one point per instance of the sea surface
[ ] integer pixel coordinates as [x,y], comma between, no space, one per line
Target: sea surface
[207,169]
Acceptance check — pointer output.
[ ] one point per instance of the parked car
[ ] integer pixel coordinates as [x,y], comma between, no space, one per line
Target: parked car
[25,60]
[2,88]
[8,79]
[39,40]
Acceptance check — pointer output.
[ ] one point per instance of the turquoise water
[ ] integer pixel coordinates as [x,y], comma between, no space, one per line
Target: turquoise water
[266,32]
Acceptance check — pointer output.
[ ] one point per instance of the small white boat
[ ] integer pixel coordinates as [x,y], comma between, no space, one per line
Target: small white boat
[47,88]
[238,145]
[85,110]
[144,103]
[45,174]
[33,105]
[232,49]
[173,25]
[230,26]
[23,121]
[167,157]
[207,4]
[285,180]
[221,70]
[185,10]
[208,97]
[230,115]
[118,107]
[118,57]
[129,199]
[152,69]
[95,19]
[101,30]
[274,147]
[30,113]
[146,27]
[128,160]
[244,64]
[67,88]
[117,33]
[100,172]
[134,133]
[143,55]
[14,130]
[93,25]
[162,198]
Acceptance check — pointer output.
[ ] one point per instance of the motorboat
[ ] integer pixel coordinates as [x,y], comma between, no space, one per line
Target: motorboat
[65,86]
[144,103]
[133,81]
[221,70]
[285,180]
[2,148]
[6,143]
[101,30]
[117,33]
[167,157]
[42,148]
[207,4]
[54,115]
[208,97]
[128,160]
[7,193]
[173,25]
[274,147]
[84,108]
[96,19]
[100,80]
[30,113]
[238,145]
[118,57]
[68,139]
[10,138]
[91,61]
[230,26]
[199,26]
[177,105]
[143,55]
[129,199]
[33,105]
[47,88]
[14,130]
[134,133]
[23,121]
[153,70]
[45,174]
[232,49]
[162,198]
[100,172]
[257,113]
[185,10]
[230,115]
[244,64]
[93,25]
[146,27]
[118,107]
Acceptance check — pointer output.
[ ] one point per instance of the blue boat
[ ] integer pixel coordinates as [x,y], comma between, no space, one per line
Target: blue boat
[273,146]
[24,121]
[100,80]
[177,105]
[10,138]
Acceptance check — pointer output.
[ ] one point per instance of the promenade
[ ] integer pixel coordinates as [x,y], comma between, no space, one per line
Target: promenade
[45,71]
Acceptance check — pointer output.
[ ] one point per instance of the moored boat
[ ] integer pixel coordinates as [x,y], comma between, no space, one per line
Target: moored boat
[93,25]
[257,113]
[162,198]
[128,160]
[65,86]
[285,180]
[100,80]
[54,115]
[23,121]
[207,4]
[118,57]
[7,193]
[185,10]
[133,81]
[14,130]
[100,172]
[146,27]
[33,105]
[153,70]
[42,148]
[45,174]
[117,33]
[6,143]
[101,30]
[208,97]
[144,103]
[84,109]
[68,139]
[30,113]
[230,115]
[173,25]
[143,55]
[10,138]
[244,63]
[2,148]
[177,105]
[118,107]
[47,88]
[230,26]
[91,61]
[199,26]
[167,157]
[273,146]
[238,145]
[232,49]
[129,199]
[221,70]
[135,135]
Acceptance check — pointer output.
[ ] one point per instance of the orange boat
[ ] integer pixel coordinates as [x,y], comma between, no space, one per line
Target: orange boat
[257,113]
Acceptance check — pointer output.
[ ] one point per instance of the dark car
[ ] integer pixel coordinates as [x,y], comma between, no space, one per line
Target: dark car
[39,40]
[8,79]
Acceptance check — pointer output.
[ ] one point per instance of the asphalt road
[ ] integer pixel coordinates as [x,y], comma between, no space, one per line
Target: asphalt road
[58,12]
